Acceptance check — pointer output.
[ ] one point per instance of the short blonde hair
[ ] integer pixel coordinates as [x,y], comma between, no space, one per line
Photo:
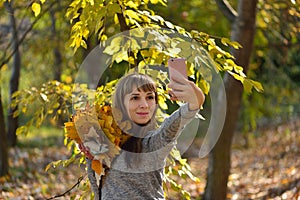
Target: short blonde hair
[125,86]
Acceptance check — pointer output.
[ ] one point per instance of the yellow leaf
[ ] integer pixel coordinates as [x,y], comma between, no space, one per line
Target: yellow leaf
[108,121]
[154,1]
[235,45]
[204,85]
[132,14]
[162,103]
[101,122]
[71,132]
[36,8]
[131,4]
[258,86]
[116,20]
[225,41]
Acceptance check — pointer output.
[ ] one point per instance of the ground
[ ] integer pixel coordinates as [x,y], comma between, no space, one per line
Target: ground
[269,168]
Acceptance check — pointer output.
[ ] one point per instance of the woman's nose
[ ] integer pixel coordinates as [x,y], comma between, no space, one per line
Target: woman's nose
[143,103]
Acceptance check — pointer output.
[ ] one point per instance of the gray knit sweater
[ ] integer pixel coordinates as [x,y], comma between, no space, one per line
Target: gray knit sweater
[143,180]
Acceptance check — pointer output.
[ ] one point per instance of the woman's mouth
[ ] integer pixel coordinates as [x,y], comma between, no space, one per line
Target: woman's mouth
[142,113]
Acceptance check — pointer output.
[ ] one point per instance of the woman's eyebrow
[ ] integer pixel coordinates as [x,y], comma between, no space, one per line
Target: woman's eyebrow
[133,94]
[150,93]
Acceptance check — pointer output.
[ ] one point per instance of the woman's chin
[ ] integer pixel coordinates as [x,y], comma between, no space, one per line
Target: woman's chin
[142,123]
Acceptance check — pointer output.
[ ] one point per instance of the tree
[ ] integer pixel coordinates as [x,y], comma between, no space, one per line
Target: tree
[243,31]
[3,145]
[15,76]
[11,50]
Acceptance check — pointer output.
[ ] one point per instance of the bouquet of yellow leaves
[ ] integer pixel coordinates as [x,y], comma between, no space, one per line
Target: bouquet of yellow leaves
[95,129]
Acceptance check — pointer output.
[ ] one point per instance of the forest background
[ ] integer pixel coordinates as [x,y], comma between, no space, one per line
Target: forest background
[38,45]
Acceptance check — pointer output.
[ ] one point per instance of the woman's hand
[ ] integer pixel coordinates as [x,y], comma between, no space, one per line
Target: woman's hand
[187,91]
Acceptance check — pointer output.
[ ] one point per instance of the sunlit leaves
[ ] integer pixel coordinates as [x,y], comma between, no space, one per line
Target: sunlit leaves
[227,42]
[249,84]
[52,99]
[114,46]
[223,60]
[182,170]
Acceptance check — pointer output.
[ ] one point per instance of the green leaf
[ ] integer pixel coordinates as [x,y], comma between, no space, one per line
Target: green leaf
[16,113]
[114,8]
[186,194]
[249,84]
[21,130]
[258,86]
[176,187]
[114,46]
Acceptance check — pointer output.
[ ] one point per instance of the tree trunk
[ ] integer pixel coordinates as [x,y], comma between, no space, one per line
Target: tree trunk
[15,76]
[3,144]
[243,31]
[56,51]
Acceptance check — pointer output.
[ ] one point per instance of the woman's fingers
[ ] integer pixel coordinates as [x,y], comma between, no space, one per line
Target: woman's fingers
[185,90]
[179,79]
[180,87]
[177,87]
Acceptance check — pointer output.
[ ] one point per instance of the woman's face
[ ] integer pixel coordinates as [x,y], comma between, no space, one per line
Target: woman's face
[140,105]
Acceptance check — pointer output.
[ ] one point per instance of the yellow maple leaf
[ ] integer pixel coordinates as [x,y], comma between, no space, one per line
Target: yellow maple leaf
[96,127]
[71,132]
[97,167]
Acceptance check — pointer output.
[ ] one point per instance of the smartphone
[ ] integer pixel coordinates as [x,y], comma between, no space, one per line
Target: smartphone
[177,67]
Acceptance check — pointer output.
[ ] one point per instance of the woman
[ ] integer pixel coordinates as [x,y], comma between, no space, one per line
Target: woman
[137,173]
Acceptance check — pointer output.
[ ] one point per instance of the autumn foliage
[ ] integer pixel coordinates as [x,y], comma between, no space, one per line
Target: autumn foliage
[95,129]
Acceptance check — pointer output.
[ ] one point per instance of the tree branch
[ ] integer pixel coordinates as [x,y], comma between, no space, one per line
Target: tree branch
[227,10]
[69,190]
[275,192]
[6,60]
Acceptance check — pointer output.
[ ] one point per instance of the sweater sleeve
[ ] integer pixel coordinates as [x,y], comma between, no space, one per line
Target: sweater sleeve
[171,128]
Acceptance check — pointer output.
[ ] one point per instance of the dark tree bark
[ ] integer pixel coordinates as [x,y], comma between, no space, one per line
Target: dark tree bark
[3,143]
[243,31]
[56,50]
[15,76]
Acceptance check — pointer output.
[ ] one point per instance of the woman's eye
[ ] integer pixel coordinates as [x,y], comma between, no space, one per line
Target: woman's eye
[134,98]
[151,97]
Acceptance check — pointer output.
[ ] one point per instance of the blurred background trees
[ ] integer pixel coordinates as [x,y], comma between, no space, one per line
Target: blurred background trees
[36,49]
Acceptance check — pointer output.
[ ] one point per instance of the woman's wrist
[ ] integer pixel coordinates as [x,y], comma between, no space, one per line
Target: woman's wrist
[193,107]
